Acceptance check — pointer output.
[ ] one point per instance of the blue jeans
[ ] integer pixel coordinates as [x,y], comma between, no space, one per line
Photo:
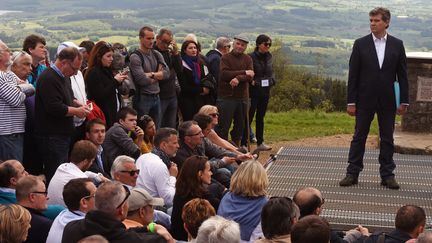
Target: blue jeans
[168,112]
[148,105]
[11,146]
[53,151]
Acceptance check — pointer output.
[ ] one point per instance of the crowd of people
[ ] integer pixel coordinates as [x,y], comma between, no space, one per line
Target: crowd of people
[102,145]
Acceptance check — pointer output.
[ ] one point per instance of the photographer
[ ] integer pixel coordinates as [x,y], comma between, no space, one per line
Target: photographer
[118,139]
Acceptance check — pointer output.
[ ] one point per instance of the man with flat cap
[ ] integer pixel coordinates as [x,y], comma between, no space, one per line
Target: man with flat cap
[236,72]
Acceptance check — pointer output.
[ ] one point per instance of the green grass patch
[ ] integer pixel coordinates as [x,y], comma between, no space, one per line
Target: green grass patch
[297,124]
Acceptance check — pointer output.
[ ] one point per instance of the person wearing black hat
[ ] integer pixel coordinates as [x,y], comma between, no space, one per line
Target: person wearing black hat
[236,72]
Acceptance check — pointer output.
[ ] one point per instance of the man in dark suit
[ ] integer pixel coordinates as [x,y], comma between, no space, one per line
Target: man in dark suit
[376,62]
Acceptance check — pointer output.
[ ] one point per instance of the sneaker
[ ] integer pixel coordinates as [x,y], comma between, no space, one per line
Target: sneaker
[253,140]
[390,183]
[263,147]
[349,180]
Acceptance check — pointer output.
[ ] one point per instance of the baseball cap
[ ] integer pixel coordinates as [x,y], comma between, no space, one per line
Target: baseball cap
[139,198]
[67,44]
[242,38]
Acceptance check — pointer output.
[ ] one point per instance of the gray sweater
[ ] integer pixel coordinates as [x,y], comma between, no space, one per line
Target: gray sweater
[152,59]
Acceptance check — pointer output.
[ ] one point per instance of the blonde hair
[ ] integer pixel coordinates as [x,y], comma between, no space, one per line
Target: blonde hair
[250,180]
[14,223]
[207,109]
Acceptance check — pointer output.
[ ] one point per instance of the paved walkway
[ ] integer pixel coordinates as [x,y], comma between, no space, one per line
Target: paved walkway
[413,143]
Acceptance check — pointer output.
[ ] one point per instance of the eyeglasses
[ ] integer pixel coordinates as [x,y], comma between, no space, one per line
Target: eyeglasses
[268,44]
[131,172]
[214,114]
[89,196]
[75,69]
[227,46]
[45,193]
[198,133]
[126,197]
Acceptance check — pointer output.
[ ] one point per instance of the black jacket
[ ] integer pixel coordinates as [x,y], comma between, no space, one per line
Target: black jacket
[263,68]
[40,227]
[168,86]
[370,86]
[213,63]
[97,222]
[101,88]
[396,236]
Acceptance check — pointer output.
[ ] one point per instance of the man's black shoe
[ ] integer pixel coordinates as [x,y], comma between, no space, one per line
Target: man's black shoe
[390,183]
[349,180]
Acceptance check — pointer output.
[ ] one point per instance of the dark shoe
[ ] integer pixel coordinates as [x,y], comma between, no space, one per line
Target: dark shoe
[390,183]
[349,180]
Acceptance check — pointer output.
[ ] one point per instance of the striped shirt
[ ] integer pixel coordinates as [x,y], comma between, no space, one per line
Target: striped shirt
[12,107]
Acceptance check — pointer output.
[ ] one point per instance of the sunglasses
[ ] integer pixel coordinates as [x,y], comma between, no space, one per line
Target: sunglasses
[214,114]
[191,135]
[131,172]
[268,44]
[126,197]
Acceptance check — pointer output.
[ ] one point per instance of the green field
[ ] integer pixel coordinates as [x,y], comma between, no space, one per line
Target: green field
[296,124]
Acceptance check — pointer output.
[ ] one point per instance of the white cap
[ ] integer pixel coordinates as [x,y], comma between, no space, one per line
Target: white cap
[67,44]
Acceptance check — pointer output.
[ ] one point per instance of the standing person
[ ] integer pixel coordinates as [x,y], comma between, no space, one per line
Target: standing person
[259,90]
[166,45]
[102,85]
[88,45]
[35,46]
[223,46]
[376,61]
[55,108]
[196,83]
[12,96]
[236,72]
[148,67]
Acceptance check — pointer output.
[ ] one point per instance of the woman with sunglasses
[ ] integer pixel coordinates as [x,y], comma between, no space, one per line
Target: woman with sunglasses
[102,85]
[193,181]
[196,83]
[259,90]
[213,112]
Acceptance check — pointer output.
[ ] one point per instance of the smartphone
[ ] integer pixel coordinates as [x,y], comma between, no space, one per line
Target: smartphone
[125,70]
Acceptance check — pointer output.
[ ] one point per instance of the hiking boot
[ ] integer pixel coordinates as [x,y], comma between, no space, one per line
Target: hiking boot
[263,147]
[390,183]
[349,180]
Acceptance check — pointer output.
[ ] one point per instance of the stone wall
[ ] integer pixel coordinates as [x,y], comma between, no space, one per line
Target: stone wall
[419,115]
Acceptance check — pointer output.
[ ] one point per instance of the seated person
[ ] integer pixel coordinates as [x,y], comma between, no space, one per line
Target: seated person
[82,156]
[277,218]
[194,213]
[78,195]
[311,228]
[11,171]
[118,139]
[31,193]
[157,173]
[218,229]
[149,127]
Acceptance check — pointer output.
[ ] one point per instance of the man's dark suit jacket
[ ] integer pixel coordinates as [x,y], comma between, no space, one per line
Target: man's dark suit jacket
[370,87]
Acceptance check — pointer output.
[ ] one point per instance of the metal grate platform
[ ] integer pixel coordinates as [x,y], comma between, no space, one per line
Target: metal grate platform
[367,203]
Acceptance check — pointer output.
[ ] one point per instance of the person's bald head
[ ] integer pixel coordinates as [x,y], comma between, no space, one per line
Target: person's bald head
[309,200]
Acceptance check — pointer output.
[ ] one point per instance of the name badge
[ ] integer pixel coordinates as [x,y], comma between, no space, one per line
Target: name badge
[264,83]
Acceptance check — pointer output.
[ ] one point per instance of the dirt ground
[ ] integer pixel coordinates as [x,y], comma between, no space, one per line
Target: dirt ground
[342,140]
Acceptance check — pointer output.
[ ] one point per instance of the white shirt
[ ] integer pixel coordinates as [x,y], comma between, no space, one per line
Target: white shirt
[64,173]
[380,45]
[78,88]
[55,234]
[155,178]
